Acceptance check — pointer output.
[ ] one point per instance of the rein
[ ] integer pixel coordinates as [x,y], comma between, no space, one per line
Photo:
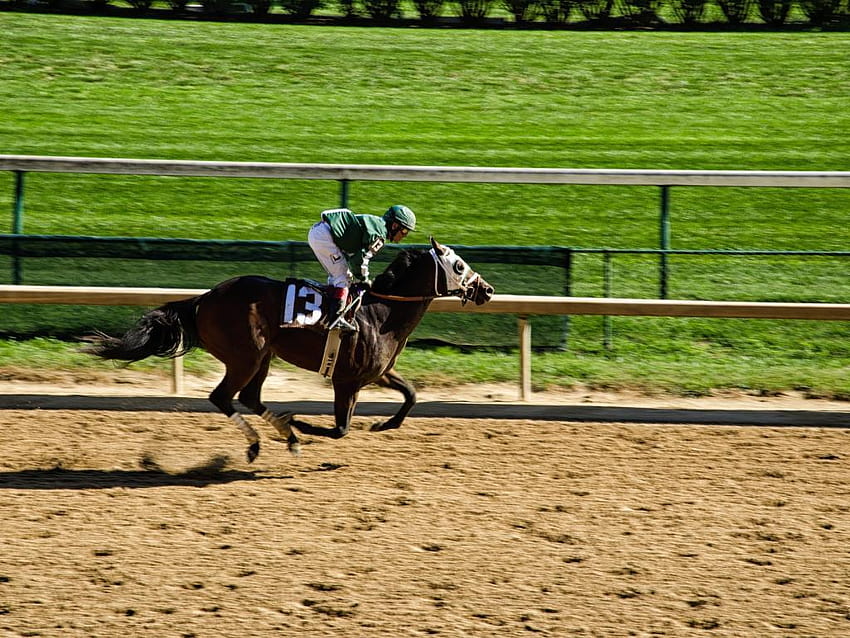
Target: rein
[380,295]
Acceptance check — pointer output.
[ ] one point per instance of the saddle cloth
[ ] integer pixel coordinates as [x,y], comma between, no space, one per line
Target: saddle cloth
[302,303]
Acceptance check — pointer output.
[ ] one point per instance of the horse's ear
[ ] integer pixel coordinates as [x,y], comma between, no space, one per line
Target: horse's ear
[438,248]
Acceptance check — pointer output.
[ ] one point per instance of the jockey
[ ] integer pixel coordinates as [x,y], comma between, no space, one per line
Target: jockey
[344,243]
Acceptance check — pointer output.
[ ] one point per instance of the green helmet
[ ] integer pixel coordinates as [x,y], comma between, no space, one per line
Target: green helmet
[401,214]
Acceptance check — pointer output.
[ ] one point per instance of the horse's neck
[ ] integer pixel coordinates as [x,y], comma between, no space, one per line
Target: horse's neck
[401,317]
[406,304]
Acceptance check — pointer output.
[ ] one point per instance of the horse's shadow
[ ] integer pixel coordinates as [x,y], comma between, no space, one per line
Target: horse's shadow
[60,478]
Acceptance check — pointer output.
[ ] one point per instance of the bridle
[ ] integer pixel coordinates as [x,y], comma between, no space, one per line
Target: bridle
[462,276]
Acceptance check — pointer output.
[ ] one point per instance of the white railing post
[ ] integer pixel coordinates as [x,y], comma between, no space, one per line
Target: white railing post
[524,358]
[177,386]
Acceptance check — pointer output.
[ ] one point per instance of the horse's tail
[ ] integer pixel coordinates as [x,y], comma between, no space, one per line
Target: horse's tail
[169,331]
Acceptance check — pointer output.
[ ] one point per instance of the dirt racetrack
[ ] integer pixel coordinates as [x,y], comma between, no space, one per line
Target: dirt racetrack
[129,516]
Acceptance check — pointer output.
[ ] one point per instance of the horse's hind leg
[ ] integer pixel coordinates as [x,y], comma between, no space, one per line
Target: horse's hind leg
[392,379]
[345,400]
[250,398]
[235,378]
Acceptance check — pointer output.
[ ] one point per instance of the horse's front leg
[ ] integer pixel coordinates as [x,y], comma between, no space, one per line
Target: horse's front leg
[392,379]
[345,400]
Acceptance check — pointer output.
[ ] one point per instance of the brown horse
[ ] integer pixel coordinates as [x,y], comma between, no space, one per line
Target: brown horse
[238,322]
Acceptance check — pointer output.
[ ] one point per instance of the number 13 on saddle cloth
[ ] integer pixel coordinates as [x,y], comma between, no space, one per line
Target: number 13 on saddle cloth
[302,303]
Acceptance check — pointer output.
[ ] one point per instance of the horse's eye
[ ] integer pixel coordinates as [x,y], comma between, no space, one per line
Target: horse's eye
[459,267]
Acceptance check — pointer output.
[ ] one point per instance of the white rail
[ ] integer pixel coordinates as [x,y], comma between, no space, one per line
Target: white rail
[367,172]
[520,305]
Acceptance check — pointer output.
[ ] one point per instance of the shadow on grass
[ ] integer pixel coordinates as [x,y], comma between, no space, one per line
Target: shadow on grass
[236,13]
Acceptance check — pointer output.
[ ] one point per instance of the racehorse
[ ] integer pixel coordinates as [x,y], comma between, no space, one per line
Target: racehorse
[239,323]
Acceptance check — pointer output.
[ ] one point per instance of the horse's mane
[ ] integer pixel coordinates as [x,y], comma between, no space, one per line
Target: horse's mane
[387,280]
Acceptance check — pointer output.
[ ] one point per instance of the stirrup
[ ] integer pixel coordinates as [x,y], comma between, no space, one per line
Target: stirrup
[341,323]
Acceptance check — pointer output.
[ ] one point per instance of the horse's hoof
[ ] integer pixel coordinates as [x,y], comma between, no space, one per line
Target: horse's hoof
[253,451]
[293,444]
[382,427]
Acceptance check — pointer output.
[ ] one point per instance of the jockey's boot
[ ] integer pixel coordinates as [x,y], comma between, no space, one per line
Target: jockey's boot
[336,305]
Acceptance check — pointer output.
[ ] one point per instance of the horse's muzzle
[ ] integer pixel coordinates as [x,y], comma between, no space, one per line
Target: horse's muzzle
[482,292]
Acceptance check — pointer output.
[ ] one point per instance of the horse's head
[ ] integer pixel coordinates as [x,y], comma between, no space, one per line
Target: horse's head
[457,277]
[427,274]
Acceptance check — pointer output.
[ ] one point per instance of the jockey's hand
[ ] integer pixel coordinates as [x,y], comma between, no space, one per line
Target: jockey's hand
[363,286]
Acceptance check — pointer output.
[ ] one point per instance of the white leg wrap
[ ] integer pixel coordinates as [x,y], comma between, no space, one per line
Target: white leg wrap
[243,426]
[280,423]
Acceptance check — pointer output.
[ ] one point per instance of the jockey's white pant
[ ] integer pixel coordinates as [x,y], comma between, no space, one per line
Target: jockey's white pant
[333,260]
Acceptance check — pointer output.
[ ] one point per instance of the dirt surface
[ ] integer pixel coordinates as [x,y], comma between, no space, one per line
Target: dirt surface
[128,512]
